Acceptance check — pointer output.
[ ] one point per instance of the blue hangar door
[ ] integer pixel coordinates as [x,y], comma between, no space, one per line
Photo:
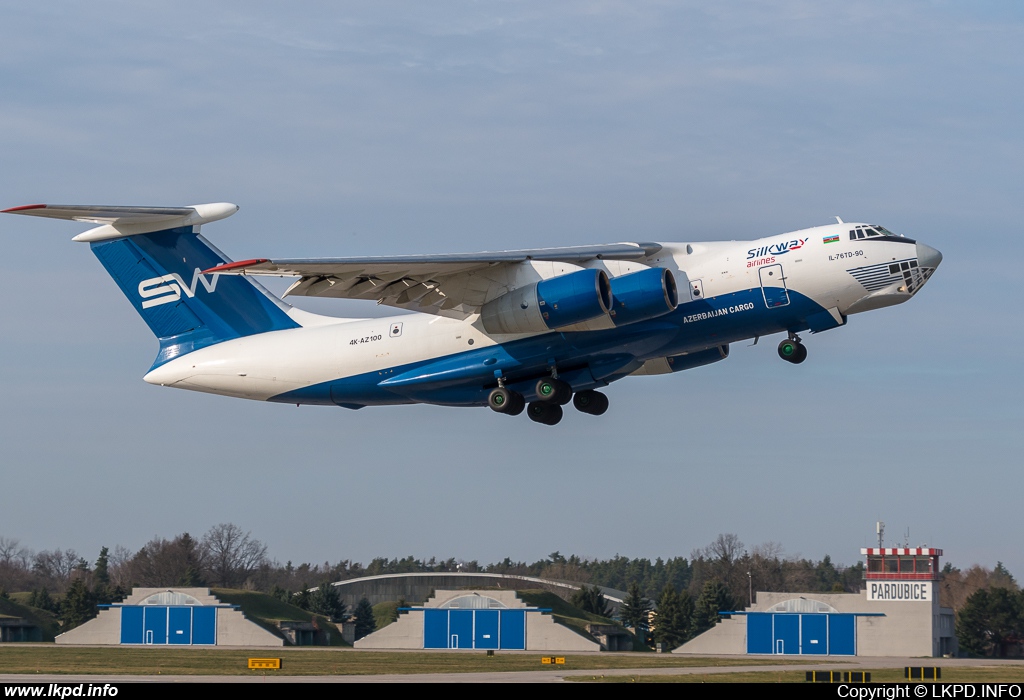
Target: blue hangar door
[824,634]
[163,624]
[474,629]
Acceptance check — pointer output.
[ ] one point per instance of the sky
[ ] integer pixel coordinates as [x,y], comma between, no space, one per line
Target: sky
[401,127]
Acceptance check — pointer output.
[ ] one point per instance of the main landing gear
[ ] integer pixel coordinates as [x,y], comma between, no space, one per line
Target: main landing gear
[552,393]
[593,402]
[792,350]
[502,400]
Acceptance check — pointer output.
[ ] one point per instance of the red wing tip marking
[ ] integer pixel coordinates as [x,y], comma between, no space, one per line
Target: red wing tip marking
[235,265]
[27,206]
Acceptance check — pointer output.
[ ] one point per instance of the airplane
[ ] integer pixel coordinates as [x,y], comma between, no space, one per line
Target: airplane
[513,330]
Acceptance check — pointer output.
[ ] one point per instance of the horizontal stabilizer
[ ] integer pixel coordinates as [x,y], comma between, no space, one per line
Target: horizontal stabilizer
[117,221]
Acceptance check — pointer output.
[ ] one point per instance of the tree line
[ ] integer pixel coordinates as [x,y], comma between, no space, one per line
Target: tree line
[720,576]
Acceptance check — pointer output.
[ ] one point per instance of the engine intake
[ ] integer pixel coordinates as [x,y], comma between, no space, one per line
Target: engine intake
[642,295]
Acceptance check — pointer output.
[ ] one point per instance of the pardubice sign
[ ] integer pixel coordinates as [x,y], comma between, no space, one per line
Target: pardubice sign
[899,590]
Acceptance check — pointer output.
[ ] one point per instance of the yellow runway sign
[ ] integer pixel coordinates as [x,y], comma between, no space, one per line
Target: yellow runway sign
[265,663]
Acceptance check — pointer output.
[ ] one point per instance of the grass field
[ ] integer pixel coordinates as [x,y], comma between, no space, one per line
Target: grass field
[321,661]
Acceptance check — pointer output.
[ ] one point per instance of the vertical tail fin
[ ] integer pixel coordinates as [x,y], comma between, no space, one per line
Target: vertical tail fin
[157,256]
[161,274]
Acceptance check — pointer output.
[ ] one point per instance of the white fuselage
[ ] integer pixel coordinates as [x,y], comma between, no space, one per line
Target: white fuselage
[809,264]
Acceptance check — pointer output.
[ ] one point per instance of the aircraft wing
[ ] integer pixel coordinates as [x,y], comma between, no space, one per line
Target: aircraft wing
[455,285]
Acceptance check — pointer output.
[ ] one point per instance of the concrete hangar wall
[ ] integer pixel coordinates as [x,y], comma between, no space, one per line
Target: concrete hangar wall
[418,586]
[897,614]
[469,619]
[170,616]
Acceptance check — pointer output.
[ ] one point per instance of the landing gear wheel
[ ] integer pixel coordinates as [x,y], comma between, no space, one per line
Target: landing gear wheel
[792,351]
[502,400]
[553,391]
[544,412]
[593,402]
[516,405]
[801,355]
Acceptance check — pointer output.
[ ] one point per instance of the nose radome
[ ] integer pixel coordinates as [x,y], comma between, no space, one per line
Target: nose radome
[928,256]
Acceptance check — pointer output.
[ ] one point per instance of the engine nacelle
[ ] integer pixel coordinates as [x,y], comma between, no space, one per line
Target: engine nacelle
[641,295]
[549,304]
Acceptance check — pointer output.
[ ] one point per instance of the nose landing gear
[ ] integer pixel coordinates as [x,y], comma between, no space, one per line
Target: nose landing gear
[792,350]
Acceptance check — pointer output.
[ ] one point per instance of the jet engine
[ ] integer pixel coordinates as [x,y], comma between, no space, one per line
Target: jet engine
[550,304]
[641,295]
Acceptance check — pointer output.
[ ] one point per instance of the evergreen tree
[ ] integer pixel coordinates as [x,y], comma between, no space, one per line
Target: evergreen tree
[301,598]
[713,598]
[1002,578]
[687,611]
[41,599]
[101,574]
[827,576]
[365,623]
[326,601]
[591,600]
[673,619]
[101,579]
[190,578]
[635,610]
[989,621]
[78,605]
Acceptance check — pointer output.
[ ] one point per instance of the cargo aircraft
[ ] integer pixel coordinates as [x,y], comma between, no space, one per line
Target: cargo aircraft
[512,330]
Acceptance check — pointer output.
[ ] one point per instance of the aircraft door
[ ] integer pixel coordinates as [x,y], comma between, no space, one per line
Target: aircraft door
[773,286]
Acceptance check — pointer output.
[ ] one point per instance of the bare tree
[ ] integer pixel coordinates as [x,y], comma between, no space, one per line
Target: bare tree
[121,568]
[726,549]
[12,554]
[14,569]
[718,561]
[55,567]
[957,586]
[766,568]
[177,562]
[233,555]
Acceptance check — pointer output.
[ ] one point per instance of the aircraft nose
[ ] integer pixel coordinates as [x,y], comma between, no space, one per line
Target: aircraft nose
[928,256]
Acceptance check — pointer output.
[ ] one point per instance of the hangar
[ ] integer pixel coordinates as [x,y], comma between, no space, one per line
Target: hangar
[896,614]
[170,616]
[477,619]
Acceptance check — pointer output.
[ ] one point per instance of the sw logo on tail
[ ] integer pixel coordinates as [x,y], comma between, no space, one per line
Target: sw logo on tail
[171,287]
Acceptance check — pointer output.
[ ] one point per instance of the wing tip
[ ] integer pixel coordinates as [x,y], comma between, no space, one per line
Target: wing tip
[26,207]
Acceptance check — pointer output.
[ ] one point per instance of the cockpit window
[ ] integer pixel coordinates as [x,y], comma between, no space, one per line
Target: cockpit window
[861,232]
